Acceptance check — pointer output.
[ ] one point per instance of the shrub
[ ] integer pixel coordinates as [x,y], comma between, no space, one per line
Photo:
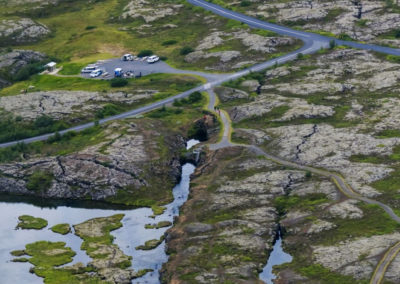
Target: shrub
[195,97]
[186,50]
[145,52]
[91,27]
[108,110]
[118,82]
[169,42]
[25,72]
[332,44]
[39,181]
[245,3]
[43,121]
[300,56]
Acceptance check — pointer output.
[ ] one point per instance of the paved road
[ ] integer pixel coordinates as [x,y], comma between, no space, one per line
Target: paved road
[144,68]
[380,270]
[305,36]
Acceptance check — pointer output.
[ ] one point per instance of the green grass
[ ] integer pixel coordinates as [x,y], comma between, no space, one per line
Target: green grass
[309,202]
[161,82]
[62,229]
[324,275]
[29,222]
[374,222]
[74,45]
[151,244]
[161,224]
[66,144]
[47,256]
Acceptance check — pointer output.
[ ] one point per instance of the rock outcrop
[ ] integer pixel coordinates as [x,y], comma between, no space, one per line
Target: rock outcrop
[124,161]
[22,30]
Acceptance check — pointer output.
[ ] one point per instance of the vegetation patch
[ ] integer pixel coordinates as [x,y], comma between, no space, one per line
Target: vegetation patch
[30,222]
[40,181]
[151,244]
[161,224]
[62,229]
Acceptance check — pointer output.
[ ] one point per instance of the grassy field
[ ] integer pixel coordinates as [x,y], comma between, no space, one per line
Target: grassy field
[95,30]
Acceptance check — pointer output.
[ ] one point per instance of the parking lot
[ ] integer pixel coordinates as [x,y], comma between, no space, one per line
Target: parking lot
[142,68]
[136,68]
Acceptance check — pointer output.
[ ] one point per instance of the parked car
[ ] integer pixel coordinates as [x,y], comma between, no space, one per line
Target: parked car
[96,73]
[118,72]
[153,59]
[127,57]
[88,69]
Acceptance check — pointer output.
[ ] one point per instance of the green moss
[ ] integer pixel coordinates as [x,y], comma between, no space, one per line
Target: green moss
[48,254]
[158,210]
[40,181]
[30,222]
[324,275]
[151,244]
[374,222]
[62,229]
[309,202]
[21,259]
[18,253]
[161,224]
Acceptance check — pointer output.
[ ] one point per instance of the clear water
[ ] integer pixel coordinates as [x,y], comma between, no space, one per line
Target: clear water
[131,235]
[277,256]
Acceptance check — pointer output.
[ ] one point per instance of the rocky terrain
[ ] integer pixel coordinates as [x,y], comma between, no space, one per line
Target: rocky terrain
[11,62]
[67,104]
[337,111]
[146,10]
[125,163]
[373,21]
[20,31]
[227,228]
[256,48]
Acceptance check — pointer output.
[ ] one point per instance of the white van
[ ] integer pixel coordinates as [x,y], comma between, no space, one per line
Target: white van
[88,69]
[153,59]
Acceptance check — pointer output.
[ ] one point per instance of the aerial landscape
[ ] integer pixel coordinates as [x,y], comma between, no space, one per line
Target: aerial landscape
[200,141]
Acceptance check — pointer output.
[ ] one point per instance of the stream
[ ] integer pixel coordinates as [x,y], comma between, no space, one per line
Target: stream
[131,235]
[277,256]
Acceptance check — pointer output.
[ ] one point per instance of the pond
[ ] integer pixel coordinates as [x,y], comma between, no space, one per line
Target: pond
[277,256]
[131,235]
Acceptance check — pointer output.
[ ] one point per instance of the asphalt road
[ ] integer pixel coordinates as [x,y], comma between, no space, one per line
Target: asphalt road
[312,43]
[144,68]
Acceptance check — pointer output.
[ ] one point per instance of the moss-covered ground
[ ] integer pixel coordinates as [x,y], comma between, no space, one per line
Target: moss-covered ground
[30,222]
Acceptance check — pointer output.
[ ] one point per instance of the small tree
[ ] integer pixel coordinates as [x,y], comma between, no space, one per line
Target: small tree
[145,52]
[332,44]
[186,50]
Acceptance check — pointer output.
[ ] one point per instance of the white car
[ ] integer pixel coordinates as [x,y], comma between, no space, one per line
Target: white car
[96,73]
[88,69]
[153,59]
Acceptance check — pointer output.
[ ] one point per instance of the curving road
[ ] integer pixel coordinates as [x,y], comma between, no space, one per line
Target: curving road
[337,179]
[312,43]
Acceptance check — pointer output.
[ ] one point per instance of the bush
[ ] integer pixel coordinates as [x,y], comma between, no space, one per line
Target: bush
[39,181]
[332,44]
[43,121]
[145,52]
[118,82]
[108,110]
[91,27]
[25,72]
[186,50]
[300,56]
[245,3]
[169,42]
[195,97]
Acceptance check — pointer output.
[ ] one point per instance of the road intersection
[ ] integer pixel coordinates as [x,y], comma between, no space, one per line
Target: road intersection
[312,43]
